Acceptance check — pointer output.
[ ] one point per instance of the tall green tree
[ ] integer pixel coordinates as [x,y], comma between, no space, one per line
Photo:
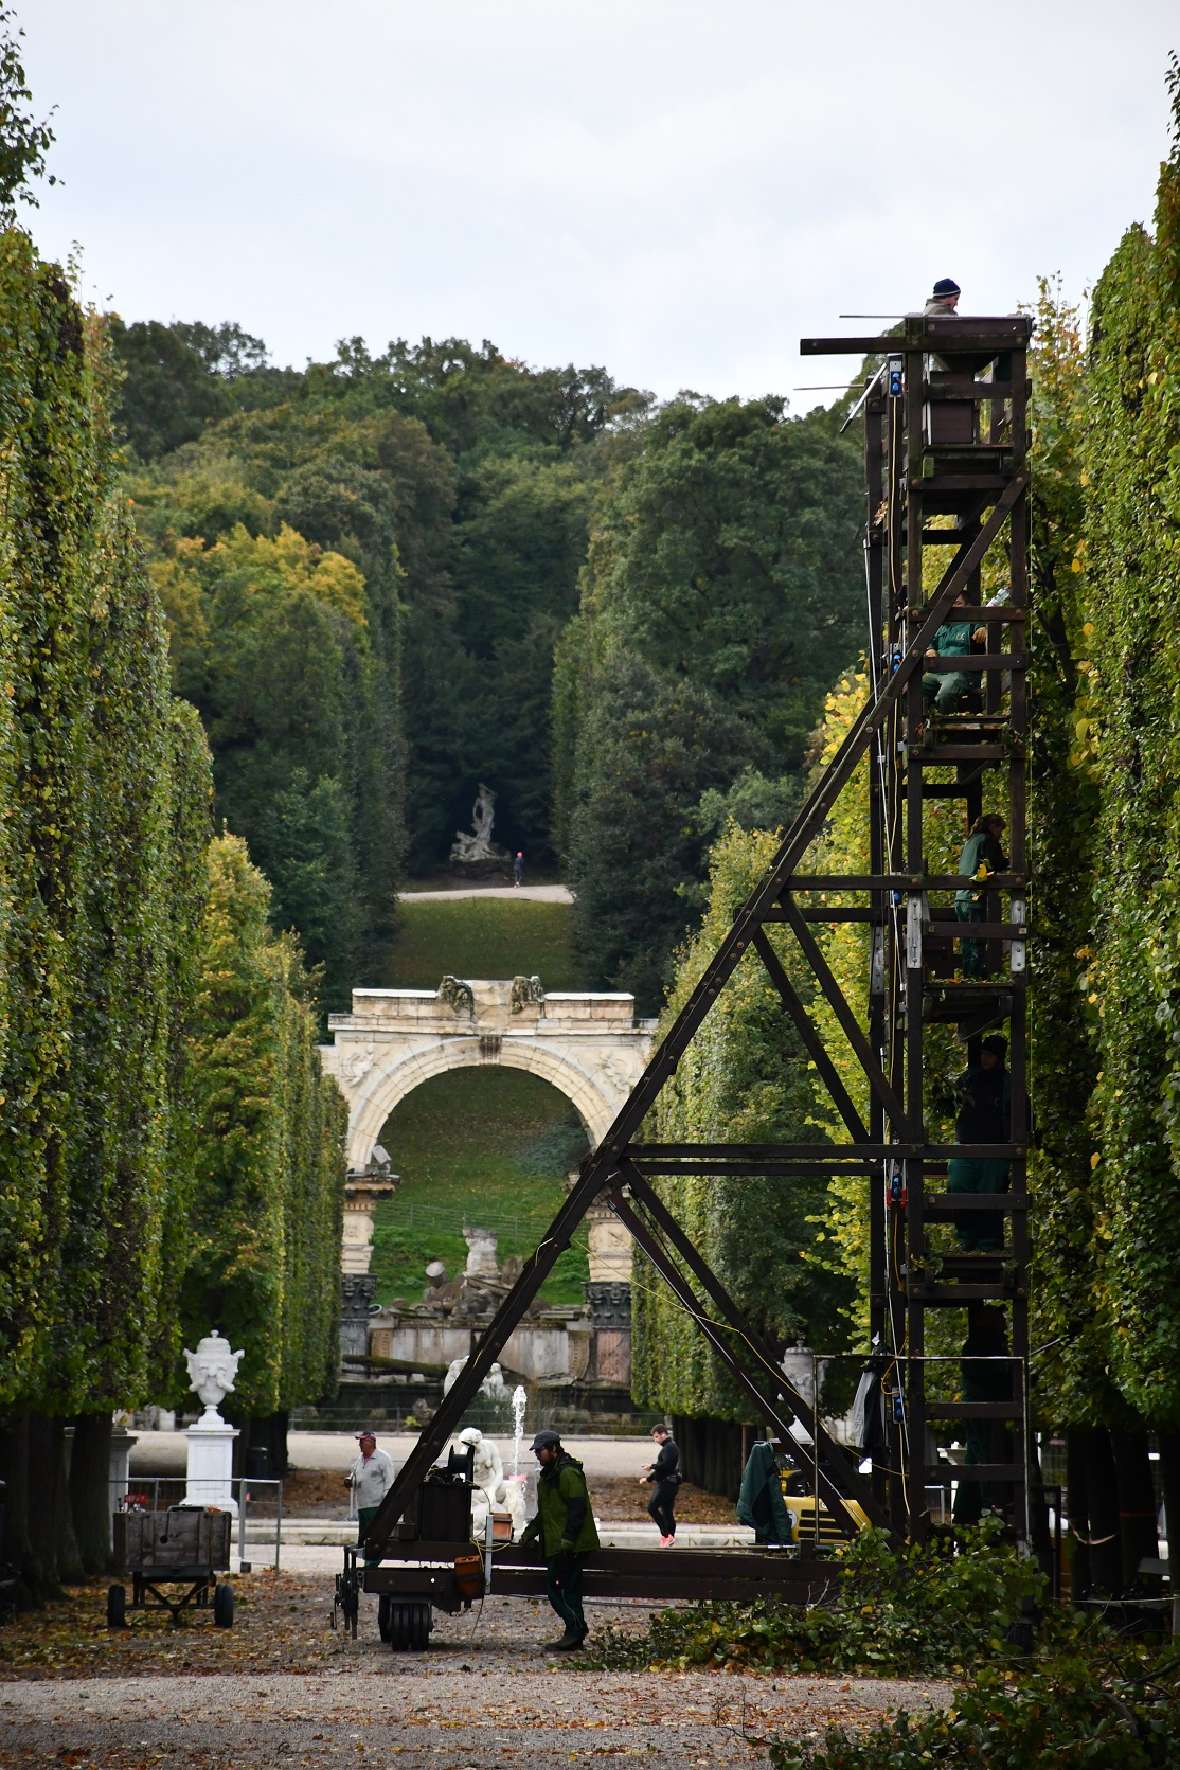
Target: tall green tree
[269,1168]
[723,573]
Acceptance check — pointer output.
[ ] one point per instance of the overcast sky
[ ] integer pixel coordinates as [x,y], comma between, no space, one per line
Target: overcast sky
[676,189]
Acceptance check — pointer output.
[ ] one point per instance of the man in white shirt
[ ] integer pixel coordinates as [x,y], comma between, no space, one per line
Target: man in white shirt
[370,1479]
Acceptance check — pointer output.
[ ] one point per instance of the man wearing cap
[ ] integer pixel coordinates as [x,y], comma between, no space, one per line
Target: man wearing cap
[564,1526]
[943,298]
[370,1479]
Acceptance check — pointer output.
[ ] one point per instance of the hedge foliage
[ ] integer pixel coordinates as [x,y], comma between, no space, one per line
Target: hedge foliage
[744,1078]
[1118,1709]
[104,829]
[267,1198]
[890,1612]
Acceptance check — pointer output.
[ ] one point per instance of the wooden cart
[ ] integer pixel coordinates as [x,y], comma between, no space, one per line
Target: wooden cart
[186,1547]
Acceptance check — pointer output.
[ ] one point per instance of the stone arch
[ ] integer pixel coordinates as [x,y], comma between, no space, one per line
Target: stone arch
[390,1081]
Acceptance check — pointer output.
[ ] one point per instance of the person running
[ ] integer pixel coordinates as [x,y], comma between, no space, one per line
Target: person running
[564,1527]
[665,1472]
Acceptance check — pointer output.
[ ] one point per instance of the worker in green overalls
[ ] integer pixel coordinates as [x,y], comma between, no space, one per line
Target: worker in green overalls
[944,694]
[984,1092]
[982,853]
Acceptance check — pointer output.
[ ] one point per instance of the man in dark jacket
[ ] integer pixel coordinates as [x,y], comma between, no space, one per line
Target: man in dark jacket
[984,1096]
[564,1527]
[665,1472]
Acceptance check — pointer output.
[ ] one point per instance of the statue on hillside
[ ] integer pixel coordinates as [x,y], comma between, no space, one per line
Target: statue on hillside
[477,845]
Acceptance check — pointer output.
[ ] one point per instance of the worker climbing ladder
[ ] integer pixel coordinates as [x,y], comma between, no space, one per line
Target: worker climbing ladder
[945,466]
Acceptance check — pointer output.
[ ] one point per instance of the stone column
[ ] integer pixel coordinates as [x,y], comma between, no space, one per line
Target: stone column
[122,1443]
[362,1194]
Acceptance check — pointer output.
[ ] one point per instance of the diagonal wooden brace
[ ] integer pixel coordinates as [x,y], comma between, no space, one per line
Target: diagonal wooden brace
[815,1047]
[880,1084]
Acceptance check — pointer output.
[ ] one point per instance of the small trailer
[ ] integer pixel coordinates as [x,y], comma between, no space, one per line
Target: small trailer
[432,1563]
[186,1546]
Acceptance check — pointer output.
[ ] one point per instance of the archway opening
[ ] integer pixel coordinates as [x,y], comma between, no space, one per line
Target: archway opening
[487,1148]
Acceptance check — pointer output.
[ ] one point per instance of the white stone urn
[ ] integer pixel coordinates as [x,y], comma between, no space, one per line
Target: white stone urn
[212,1369]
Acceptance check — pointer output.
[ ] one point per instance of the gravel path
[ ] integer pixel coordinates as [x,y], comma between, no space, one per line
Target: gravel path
[537,893]
[280,1689]
[440,1714]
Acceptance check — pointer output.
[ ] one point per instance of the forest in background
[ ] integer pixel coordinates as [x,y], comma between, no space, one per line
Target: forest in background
[370,567]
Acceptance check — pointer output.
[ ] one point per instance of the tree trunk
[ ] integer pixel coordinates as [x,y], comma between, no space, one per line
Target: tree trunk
[1077,1505]
[44,1464]
[90,1493]
[16,1549]
[1137,1525]
[1106,1551]
[69,1562]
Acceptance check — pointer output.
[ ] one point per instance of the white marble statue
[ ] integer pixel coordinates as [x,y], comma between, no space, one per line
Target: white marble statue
[476,843]
[492,1385]
[212,1369]
[492,1491]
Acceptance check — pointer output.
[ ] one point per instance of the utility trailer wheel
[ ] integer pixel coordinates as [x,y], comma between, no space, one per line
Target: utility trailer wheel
[384,1612]
[116,1607]
[223,1606]
[409,1627]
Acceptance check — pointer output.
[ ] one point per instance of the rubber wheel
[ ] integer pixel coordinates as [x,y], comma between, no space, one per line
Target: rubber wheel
[223,1606]
[384,1616]
[116,1607]
[409,1627]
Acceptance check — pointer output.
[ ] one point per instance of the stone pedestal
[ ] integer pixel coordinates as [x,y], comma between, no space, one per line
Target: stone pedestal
[122,1443]
[610,1331]
[209,1468]
[357,1290]
[362,1194]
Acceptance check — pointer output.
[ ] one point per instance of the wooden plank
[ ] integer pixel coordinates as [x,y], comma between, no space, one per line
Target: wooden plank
[1003,614]
[661,1582]
[812,1043]
[930,755]
[1009,1472]
[973,1410]
[901,881]
[945,337]
[946,1206]
[978,661]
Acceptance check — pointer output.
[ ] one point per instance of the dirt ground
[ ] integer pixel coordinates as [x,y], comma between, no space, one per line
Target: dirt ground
[281,1688]
[321,1493]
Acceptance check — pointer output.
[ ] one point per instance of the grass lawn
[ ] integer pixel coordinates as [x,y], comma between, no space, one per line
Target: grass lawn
[487,1147]
[482,937]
